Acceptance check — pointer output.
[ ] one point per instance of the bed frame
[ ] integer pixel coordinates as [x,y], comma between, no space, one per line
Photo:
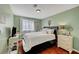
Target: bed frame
[38,48]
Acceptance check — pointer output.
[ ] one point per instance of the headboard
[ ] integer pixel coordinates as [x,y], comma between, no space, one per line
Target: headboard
[52,27]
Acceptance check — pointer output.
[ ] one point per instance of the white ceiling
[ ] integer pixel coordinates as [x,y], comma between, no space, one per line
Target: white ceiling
[28,10]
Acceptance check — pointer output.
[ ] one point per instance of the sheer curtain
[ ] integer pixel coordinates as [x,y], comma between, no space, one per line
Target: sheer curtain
[27,25]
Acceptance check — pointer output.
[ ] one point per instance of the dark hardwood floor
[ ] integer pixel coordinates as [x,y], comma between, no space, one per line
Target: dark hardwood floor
[56,50]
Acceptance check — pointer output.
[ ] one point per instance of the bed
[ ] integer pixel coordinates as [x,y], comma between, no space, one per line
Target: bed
[35,38]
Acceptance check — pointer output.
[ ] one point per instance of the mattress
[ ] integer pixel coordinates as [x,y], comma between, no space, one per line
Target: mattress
[35,38]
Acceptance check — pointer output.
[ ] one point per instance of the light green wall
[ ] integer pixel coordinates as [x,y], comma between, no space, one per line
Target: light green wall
[5,12]
[17,23]
[76,43]
[70,17]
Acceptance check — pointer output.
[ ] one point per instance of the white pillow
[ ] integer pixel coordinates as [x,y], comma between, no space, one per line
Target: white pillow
[44,30]
[48,31]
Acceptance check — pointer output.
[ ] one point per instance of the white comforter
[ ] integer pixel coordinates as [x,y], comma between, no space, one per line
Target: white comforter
[35,38]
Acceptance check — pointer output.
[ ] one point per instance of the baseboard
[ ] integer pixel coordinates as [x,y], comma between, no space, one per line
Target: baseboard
[75,50]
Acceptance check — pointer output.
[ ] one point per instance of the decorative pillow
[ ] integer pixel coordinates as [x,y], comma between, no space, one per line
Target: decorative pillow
[44,30]
[50,31]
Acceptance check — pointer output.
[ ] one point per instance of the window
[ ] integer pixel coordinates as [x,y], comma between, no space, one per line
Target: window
[27,25]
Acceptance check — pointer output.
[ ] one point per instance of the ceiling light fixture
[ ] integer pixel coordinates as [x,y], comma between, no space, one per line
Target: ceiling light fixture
[38,10]
[36,7]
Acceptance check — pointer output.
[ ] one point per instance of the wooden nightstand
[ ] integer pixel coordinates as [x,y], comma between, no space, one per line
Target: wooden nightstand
[65,42]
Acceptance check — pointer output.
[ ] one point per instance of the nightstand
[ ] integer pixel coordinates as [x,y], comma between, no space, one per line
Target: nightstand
[65,42]
[12,44]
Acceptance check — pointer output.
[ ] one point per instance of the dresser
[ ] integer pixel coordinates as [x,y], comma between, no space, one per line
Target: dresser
[65,42]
